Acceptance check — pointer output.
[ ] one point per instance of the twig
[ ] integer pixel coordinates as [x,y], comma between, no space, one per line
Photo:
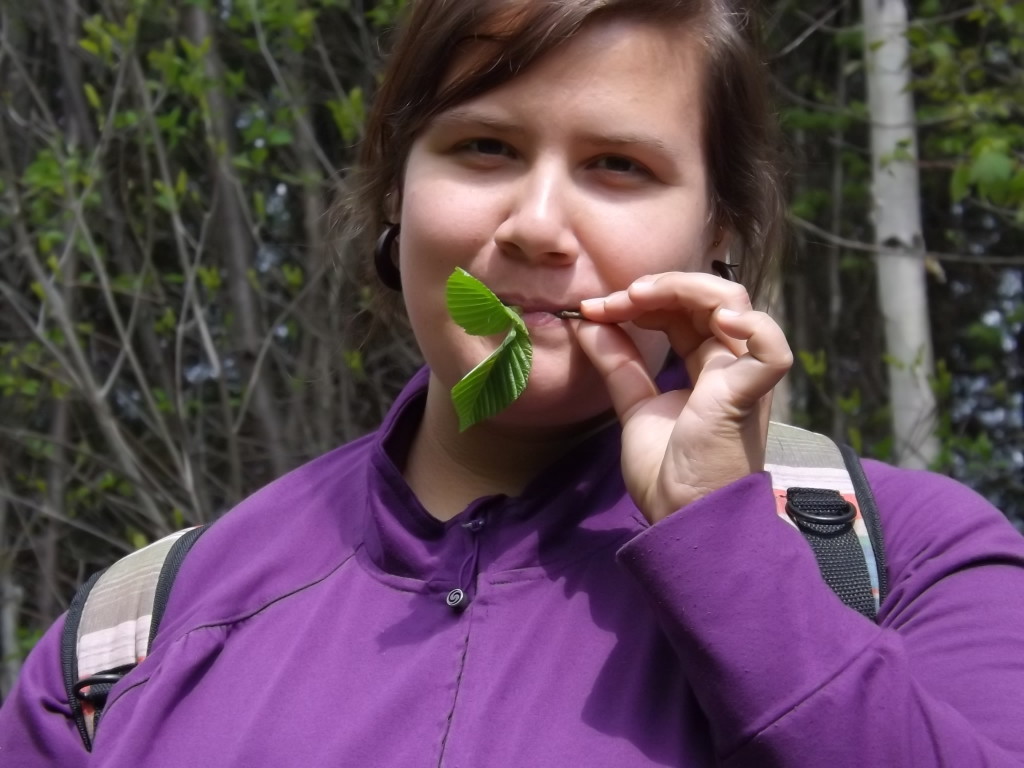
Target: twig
[808,32]
[857,245]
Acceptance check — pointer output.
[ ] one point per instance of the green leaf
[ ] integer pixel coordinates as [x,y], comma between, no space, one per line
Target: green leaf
[815,363]
[278,137]
[501,377]
[181,184]
[349,114]
[137,538]
[495,383]
[474,307]
[92,96]
[991,166]
[303,23]
[293,276]
[209,277]
[959,184]
[354,361]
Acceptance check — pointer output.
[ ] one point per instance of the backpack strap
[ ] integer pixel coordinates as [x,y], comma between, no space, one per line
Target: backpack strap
[823,492]
[112,622]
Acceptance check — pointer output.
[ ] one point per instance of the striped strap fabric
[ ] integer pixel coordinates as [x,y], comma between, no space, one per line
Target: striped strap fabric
[115,615]
[797,458]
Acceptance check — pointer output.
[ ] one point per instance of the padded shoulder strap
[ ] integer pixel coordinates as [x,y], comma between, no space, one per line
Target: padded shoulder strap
[869,514]
[112,621]
[849,553]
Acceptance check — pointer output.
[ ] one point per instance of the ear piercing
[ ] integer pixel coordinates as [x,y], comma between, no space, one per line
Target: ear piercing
[727,271]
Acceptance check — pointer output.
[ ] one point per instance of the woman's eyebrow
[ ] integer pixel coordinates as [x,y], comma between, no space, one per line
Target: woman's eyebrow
[461,117]
[467,117]
[628,139]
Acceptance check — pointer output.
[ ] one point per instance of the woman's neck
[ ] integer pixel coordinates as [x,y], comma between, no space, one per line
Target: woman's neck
[448,469]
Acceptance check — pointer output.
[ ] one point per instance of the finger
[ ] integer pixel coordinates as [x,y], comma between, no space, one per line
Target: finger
[694,292]
[766,360]
[709,356]
[684,336]
[680,304]
[620,364]
[678,328]
[765,341]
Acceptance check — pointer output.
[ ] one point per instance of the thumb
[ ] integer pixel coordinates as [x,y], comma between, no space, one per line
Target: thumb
[620,364]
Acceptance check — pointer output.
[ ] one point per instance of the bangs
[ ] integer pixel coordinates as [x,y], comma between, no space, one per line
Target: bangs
[491,42]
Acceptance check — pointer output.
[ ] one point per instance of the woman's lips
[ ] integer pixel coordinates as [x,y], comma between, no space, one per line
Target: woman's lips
[558,310]
[541,318]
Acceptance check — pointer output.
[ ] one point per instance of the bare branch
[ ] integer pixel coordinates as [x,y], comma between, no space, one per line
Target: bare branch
[857,245]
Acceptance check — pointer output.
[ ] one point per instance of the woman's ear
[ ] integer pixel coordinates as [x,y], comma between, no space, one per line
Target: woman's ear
[717,248]
[393,207]
[719,245]
[717,256]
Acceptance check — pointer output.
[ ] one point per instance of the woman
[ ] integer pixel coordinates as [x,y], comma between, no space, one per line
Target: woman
[595,576]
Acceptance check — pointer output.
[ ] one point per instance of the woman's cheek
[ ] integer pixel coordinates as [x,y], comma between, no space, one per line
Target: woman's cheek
[446,222]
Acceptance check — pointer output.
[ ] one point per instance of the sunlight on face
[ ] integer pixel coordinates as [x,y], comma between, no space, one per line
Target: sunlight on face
[565,183]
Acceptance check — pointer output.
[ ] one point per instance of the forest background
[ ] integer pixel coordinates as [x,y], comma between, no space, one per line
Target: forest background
[181,319]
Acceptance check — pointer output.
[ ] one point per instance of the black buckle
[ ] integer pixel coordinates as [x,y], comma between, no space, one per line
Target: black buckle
[820,506]
[108,678]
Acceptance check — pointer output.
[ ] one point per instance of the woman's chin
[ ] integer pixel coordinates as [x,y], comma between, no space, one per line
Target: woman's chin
[564,391]
[552,404]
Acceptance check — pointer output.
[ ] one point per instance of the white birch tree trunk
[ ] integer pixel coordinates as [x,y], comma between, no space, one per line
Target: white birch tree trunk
[782,395]
[902,285]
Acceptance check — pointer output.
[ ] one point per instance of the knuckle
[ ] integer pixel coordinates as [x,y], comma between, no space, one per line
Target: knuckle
[736,294]
[775,350]
[765,322]
[785,360]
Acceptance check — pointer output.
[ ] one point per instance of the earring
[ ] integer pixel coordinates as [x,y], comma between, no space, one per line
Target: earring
[387,270]
[727,271]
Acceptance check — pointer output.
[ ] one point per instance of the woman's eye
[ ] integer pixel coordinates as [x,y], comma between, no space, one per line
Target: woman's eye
[619,164]
[487,147]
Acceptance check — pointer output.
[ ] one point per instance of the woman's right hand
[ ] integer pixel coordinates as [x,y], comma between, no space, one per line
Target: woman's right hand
[680,445]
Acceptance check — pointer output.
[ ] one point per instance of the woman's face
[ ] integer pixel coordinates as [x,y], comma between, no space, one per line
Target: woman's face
[565,183]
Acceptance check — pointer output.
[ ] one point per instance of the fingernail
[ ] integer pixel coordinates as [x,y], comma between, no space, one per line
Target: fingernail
[645,280]
[591,304]
[726,312]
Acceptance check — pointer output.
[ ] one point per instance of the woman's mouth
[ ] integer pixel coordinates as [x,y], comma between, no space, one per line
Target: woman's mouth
[541,318]
[535,310]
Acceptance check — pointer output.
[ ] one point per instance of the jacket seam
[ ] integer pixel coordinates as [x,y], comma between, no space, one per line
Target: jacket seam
[458,690]
[840,670]
[233,620]
[272,601]
[514,575]
[384,577]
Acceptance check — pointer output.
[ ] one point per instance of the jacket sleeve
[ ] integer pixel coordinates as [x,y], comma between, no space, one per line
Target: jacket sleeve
[36,726]
[787,675]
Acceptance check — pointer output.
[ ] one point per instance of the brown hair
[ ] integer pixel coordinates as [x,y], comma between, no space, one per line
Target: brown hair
[494,40]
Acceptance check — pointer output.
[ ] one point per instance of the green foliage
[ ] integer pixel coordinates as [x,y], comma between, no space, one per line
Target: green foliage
[973,69]
[968,68]
[501,377]
[814,364]
[174,300]
[349,113]
[27,639]
[384,12]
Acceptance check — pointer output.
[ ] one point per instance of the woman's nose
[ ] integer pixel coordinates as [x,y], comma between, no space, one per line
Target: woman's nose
[538,223]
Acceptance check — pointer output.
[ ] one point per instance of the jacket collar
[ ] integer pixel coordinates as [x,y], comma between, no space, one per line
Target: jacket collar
[572,508]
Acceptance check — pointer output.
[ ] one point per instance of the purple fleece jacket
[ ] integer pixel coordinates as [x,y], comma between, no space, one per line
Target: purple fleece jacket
[309,627]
